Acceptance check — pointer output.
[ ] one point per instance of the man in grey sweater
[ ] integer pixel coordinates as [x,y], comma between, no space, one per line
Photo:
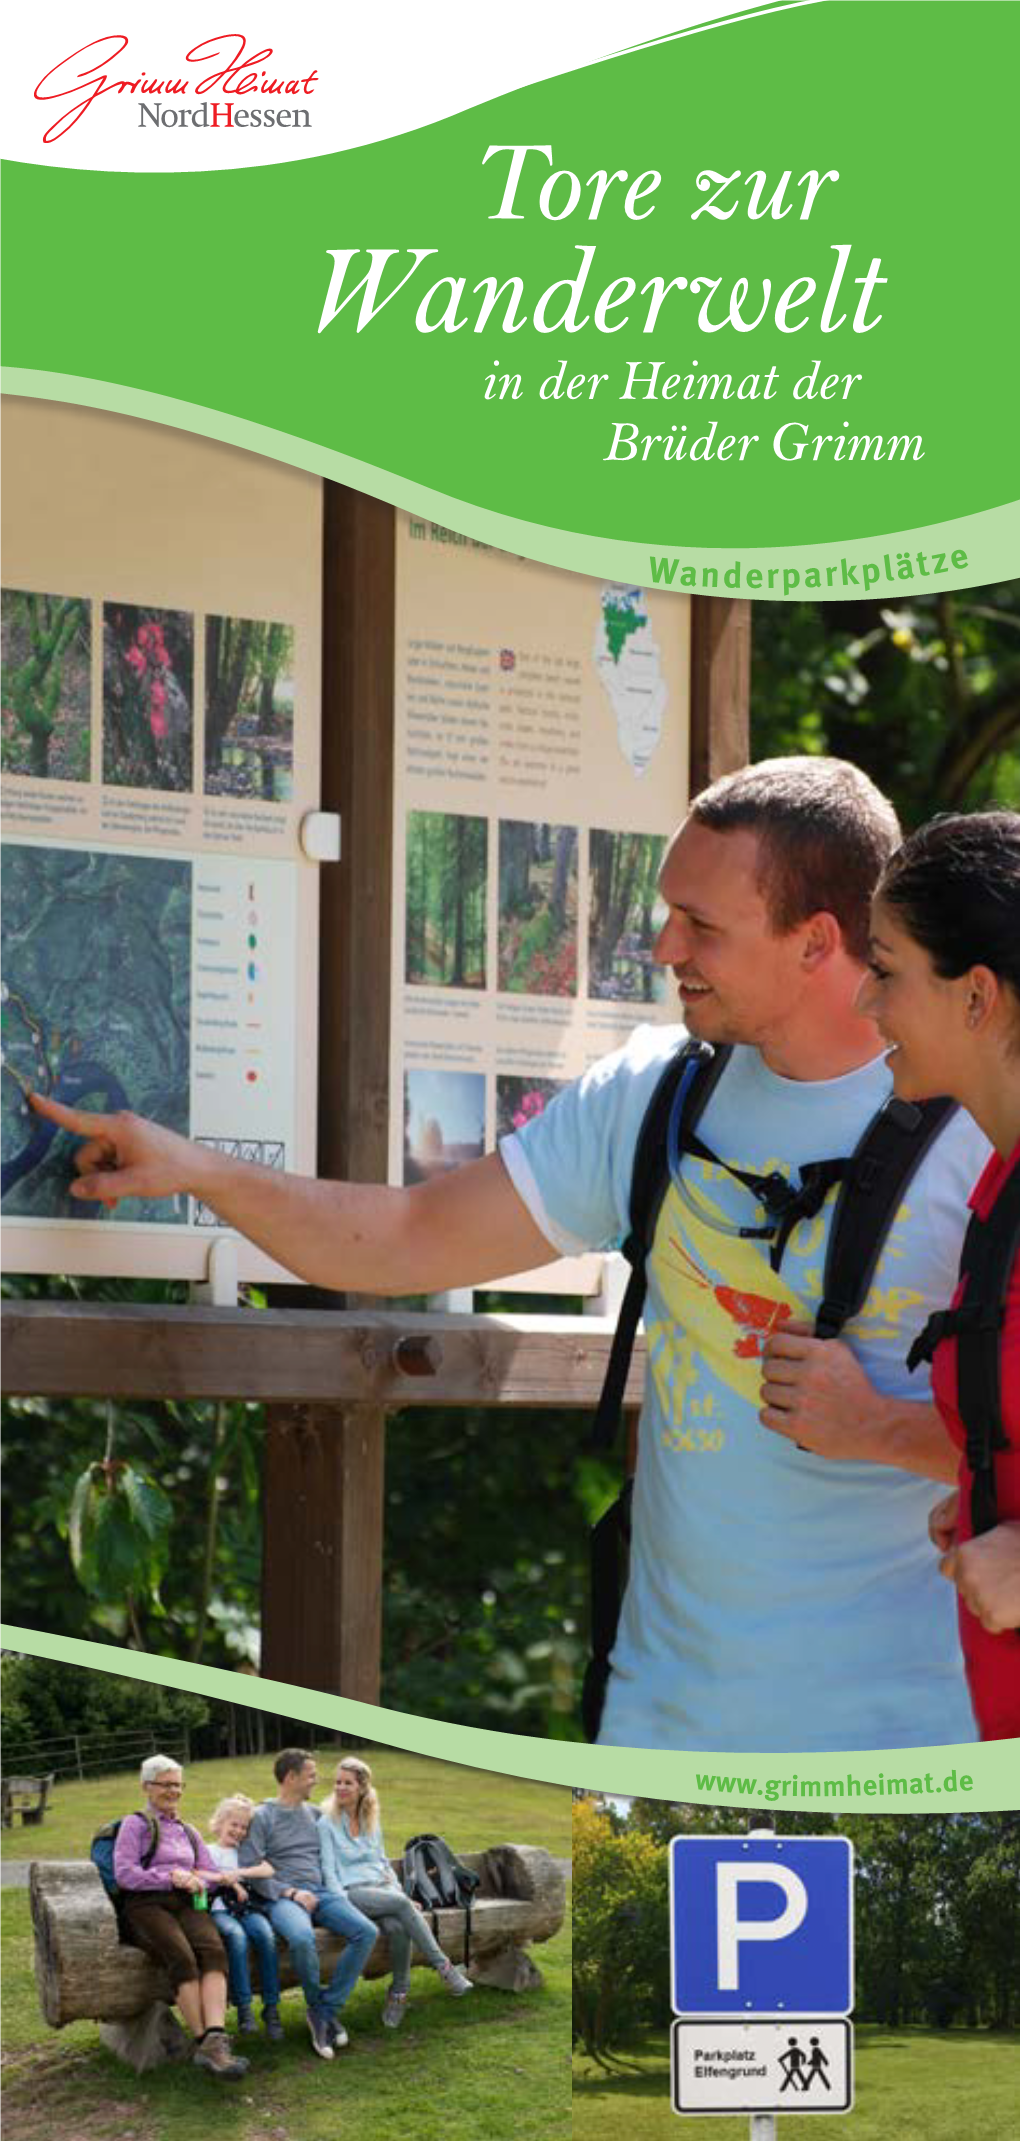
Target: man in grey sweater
[284,1831]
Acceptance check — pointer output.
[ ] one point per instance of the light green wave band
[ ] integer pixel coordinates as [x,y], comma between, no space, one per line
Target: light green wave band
[993,1767]
[989,541]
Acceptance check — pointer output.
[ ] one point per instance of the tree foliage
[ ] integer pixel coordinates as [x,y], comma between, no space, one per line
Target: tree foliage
[44,1700]
[937,1913]
[620,1931]
[445,900]
[924,695]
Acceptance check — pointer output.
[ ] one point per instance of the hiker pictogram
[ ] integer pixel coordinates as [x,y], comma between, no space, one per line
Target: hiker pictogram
[801,2068]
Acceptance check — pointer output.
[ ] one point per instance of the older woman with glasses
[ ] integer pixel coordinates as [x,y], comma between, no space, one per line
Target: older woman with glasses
[165,1910]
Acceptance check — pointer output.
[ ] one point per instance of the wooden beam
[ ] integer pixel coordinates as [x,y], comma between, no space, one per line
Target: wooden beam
[720,688]
[304,1357]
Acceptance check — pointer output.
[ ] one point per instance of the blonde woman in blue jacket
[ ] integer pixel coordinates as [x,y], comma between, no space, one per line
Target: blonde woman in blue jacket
[355,1865]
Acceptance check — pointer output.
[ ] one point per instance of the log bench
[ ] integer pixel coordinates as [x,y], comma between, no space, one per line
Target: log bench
[85,1972]
[26,1796]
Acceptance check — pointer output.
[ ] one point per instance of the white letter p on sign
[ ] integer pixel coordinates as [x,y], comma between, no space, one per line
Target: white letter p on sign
[732,1929]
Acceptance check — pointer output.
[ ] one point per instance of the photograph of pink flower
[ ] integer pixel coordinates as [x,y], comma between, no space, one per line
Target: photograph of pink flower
[148,665]
[519,1100]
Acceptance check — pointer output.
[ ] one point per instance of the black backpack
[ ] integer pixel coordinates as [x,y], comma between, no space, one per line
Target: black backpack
[990,1249]
[432,1875]
[872,1181]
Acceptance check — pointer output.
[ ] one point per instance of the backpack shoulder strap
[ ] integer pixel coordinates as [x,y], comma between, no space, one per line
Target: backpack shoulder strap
[989,1254]
[688,1080]
[887,1157]
[152,1824]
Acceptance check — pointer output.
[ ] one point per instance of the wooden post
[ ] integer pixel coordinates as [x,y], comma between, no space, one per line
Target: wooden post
[720,688]
[323,1475]
[322,1568]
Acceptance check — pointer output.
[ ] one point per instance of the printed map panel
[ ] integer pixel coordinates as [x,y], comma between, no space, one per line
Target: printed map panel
[96,1011]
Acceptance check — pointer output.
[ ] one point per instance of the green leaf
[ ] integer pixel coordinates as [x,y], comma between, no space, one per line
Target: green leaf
[150,1508]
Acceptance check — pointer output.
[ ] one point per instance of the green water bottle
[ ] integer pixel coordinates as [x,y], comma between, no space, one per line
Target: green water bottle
[199,1900]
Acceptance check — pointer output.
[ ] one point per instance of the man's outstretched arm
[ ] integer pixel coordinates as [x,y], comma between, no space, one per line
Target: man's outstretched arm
[461,1229]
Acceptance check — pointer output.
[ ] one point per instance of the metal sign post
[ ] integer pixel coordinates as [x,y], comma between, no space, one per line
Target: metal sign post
[762,1975]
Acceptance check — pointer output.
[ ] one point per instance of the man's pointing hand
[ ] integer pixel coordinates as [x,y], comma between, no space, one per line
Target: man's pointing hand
[123,1155]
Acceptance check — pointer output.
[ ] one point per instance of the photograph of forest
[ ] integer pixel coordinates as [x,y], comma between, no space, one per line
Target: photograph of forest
[444,1121]
[249,709]
[518,1100]
[625,918]
[47,686]
[445,914]
[537,908]
[148,668]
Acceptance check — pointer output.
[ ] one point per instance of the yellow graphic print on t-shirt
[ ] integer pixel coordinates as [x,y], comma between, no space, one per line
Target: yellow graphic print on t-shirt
[722,1301]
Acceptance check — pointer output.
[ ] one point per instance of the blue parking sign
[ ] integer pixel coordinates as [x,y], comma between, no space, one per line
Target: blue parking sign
[762,1925]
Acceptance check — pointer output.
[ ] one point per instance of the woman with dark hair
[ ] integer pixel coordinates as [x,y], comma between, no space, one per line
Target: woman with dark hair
[944,988]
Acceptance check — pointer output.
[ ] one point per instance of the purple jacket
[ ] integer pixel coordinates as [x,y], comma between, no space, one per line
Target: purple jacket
[174,1849]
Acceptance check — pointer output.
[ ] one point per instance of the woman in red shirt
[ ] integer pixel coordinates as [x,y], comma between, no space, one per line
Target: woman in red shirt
[944,988]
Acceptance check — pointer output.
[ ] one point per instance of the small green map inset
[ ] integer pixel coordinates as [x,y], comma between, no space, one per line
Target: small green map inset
[628,664]
[96,1012]
[621,618]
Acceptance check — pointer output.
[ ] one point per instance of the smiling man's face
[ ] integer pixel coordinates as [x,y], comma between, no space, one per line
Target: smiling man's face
[737,979]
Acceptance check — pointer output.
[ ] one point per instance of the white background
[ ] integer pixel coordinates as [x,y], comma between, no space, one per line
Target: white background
[381,70]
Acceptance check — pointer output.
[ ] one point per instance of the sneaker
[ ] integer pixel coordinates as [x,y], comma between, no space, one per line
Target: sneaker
[338,2035]
[395,2009]
[455,1980]
[272,2025]
[213,2051]
[246,2023]
[320,2033]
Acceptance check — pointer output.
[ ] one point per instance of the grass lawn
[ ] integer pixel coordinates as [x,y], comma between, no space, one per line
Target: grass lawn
[911,2085]
[496,2064]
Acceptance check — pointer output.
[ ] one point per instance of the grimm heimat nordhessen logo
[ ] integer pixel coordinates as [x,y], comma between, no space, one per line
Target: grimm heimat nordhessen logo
[94,70]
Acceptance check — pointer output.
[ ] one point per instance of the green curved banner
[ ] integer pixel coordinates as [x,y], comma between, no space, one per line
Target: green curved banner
[918,1780]
[743,295]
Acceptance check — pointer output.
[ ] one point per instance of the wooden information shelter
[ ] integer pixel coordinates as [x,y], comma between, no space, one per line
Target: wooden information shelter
[328,1376]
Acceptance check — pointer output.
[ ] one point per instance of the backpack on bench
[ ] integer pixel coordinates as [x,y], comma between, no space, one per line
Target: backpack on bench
[872,1181]
[432,1875]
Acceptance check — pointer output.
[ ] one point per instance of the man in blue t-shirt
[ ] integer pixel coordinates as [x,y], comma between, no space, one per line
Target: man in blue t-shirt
[782,1593]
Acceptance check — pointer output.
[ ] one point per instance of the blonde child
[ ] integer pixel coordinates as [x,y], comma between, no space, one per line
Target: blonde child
[244,1926]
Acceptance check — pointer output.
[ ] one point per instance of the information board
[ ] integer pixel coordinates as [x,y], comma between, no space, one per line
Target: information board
[541,761]
[161,625]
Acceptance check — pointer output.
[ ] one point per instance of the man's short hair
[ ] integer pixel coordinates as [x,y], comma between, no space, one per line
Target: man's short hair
[289,1761]
[825,833]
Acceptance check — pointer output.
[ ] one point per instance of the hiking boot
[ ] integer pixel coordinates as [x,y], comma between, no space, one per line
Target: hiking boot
[455,1980]
[394,2010]
[214,2052]
[272,2025]
[320,2033]
[246,2023]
